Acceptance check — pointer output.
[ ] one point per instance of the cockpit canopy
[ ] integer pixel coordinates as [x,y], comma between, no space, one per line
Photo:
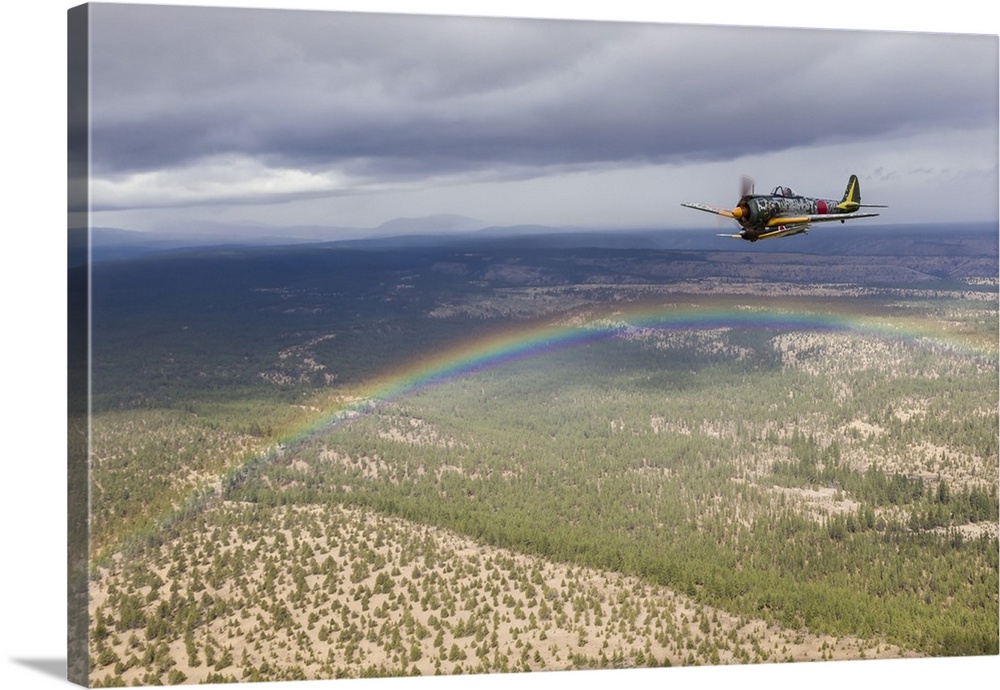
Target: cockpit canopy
[783,191]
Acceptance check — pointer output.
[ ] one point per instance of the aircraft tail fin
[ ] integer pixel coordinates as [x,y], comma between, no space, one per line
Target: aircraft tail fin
[852,195]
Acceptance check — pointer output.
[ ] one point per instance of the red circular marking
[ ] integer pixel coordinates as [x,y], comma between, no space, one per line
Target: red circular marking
[820,206]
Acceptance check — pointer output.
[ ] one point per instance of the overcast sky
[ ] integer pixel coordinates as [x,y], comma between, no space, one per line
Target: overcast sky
[204,116]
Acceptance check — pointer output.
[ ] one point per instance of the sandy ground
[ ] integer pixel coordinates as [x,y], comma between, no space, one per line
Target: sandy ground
[333,592]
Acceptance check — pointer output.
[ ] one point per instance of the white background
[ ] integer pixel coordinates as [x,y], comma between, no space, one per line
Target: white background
[32,560]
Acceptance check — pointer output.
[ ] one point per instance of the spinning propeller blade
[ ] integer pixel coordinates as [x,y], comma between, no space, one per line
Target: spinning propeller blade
[746,189]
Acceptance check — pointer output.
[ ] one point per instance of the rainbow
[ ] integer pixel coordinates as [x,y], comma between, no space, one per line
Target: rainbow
[533,340]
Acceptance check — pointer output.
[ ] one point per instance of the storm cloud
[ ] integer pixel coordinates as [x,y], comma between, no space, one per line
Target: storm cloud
[206,105]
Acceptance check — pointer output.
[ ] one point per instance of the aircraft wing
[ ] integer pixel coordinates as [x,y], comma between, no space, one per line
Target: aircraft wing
[710,209]
[784,231]
[780,231]
[825,218]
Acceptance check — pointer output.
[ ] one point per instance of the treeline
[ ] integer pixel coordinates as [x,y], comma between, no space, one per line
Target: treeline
[931,505]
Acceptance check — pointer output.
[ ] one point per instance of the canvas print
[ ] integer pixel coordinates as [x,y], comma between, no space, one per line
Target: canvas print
[408,345]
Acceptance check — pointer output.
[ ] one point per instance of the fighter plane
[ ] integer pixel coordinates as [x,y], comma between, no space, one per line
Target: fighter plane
[783,212]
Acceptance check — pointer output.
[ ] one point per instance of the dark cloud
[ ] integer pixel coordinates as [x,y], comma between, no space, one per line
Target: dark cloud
[386,96]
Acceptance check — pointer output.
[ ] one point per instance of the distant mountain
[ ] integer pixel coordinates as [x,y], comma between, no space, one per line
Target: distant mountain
[115,243]
[444,223]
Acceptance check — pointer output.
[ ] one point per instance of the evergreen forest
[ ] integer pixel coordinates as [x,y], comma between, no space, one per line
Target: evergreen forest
[270,501]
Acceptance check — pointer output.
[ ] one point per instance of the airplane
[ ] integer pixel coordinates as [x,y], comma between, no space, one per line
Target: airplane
[783,213]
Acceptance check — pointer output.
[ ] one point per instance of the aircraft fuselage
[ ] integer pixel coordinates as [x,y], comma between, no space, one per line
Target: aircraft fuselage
[758,210]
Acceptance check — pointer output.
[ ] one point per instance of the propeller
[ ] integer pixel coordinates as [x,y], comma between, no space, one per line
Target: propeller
[746,190]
